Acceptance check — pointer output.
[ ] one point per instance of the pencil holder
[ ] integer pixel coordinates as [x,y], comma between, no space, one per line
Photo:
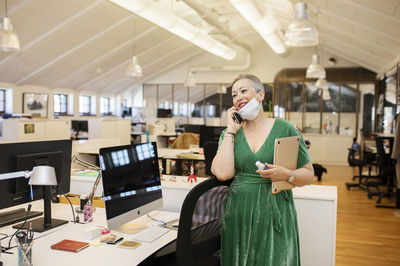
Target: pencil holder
[25,254]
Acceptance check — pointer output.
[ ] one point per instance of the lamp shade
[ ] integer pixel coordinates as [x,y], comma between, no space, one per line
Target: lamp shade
[134,69]
[43,176]
[190,81]
[322,84]
[301,31]
[315,69]
[9,41]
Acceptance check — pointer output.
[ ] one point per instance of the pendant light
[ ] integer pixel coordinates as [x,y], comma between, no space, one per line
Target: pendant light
[134,69]
[301,32]
[9,41]
[315,69]
[190,82]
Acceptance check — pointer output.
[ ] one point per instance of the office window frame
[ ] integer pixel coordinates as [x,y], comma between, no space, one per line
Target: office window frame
[86,105]
[2,101]
[105,104]
[63,103]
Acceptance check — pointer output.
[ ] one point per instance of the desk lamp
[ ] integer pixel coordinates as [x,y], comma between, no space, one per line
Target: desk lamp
[39,176]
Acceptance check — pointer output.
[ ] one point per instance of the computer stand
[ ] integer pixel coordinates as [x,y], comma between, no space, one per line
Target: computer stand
[46,223]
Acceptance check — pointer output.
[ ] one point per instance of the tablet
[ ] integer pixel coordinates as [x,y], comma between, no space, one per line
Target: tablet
[286,151]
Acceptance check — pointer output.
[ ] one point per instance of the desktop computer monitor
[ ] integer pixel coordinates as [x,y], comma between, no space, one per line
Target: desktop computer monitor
[21,156]
[131,182]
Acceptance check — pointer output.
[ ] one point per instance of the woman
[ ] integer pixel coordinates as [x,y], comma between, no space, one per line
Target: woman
[259,228]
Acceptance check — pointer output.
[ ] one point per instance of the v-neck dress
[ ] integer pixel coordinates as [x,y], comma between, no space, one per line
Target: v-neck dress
[260,228]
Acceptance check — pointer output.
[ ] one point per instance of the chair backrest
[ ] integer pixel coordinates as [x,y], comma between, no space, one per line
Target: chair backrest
[200,223]
[353,156]
[210,149]
[185,140]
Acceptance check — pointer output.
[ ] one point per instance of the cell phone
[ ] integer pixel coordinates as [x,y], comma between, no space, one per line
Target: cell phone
[116,241]
[237,118]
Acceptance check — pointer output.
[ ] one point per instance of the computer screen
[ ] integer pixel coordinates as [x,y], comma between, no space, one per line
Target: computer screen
[131,182]
[23,156]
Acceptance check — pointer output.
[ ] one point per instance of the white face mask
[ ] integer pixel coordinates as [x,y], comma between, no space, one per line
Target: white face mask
[250,110]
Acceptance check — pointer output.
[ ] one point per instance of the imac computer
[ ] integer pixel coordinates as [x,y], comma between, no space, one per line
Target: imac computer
[22,156]
[131,182]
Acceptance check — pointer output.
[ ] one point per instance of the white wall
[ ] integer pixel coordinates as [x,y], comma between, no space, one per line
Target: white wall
[18,91]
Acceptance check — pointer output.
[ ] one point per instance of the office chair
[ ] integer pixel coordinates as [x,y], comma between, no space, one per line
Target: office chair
[210,149]
[360,158]
[387,172]
[198,241]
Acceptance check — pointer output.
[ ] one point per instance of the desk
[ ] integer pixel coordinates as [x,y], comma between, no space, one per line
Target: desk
[43,255]
[316,215]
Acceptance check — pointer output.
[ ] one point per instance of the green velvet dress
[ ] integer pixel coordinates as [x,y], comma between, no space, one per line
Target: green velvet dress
[260,228]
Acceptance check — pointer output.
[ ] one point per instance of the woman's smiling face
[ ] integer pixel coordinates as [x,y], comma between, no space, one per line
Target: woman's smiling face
[243,91]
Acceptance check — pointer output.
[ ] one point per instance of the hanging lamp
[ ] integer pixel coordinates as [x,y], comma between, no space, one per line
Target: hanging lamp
[134,69]
[301,31]
[315,69]
[190,82]
[9,41]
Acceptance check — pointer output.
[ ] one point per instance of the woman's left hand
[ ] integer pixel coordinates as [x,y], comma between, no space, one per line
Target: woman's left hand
[275,173]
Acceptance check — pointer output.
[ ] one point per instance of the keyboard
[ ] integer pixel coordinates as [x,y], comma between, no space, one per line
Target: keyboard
[15,216]
[150,234]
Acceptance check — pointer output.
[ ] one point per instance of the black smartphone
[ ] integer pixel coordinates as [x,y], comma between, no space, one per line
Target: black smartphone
[237,118]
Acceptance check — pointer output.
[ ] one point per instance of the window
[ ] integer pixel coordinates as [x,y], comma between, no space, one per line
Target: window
[2,101]
[105,106]
[60,104]
[84,104]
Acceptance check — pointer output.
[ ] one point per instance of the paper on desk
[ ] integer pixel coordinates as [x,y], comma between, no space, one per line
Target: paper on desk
[132,228]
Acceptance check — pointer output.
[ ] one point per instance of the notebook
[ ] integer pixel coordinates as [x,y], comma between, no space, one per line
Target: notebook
[70,245]
[285,154]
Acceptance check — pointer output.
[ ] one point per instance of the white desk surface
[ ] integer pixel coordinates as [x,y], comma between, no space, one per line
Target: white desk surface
[43,255]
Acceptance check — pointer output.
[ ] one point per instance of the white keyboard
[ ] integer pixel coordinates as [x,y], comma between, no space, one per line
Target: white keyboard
[150,234]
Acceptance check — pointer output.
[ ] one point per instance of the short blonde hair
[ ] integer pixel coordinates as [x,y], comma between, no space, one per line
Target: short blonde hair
[258,86]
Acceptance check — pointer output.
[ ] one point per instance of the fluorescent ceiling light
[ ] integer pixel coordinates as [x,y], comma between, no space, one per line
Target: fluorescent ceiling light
[263,23]
[134,69]
[178,26]
[315,69]
[301,32]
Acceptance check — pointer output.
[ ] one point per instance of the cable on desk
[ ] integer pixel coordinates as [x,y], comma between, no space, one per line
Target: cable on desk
[163,223]
[72,207]
[22,226]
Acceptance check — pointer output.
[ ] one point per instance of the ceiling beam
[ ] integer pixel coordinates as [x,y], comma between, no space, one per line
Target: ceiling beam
[354,23]
[48,33]
[67,77]
[74,49]
[350,46]
[383,15]
[349,57]
[124,63]
[351,36]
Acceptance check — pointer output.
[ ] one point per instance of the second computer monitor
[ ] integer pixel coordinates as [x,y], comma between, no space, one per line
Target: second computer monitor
[131,182]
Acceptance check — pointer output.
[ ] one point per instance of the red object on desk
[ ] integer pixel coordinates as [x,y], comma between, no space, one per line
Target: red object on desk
[192,178]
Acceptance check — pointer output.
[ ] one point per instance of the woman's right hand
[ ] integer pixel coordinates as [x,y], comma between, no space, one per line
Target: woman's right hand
[232,126]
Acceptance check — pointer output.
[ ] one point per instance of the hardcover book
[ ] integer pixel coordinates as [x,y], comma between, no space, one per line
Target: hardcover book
[70,245]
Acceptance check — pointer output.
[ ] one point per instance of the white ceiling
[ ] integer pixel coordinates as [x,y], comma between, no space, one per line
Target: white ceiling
[86,44]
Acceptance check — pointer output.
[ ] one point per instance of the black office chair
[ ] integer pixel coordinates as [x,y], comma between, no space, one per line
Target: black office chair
[357,157]
[386,171]
[198,241]
[210,149]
